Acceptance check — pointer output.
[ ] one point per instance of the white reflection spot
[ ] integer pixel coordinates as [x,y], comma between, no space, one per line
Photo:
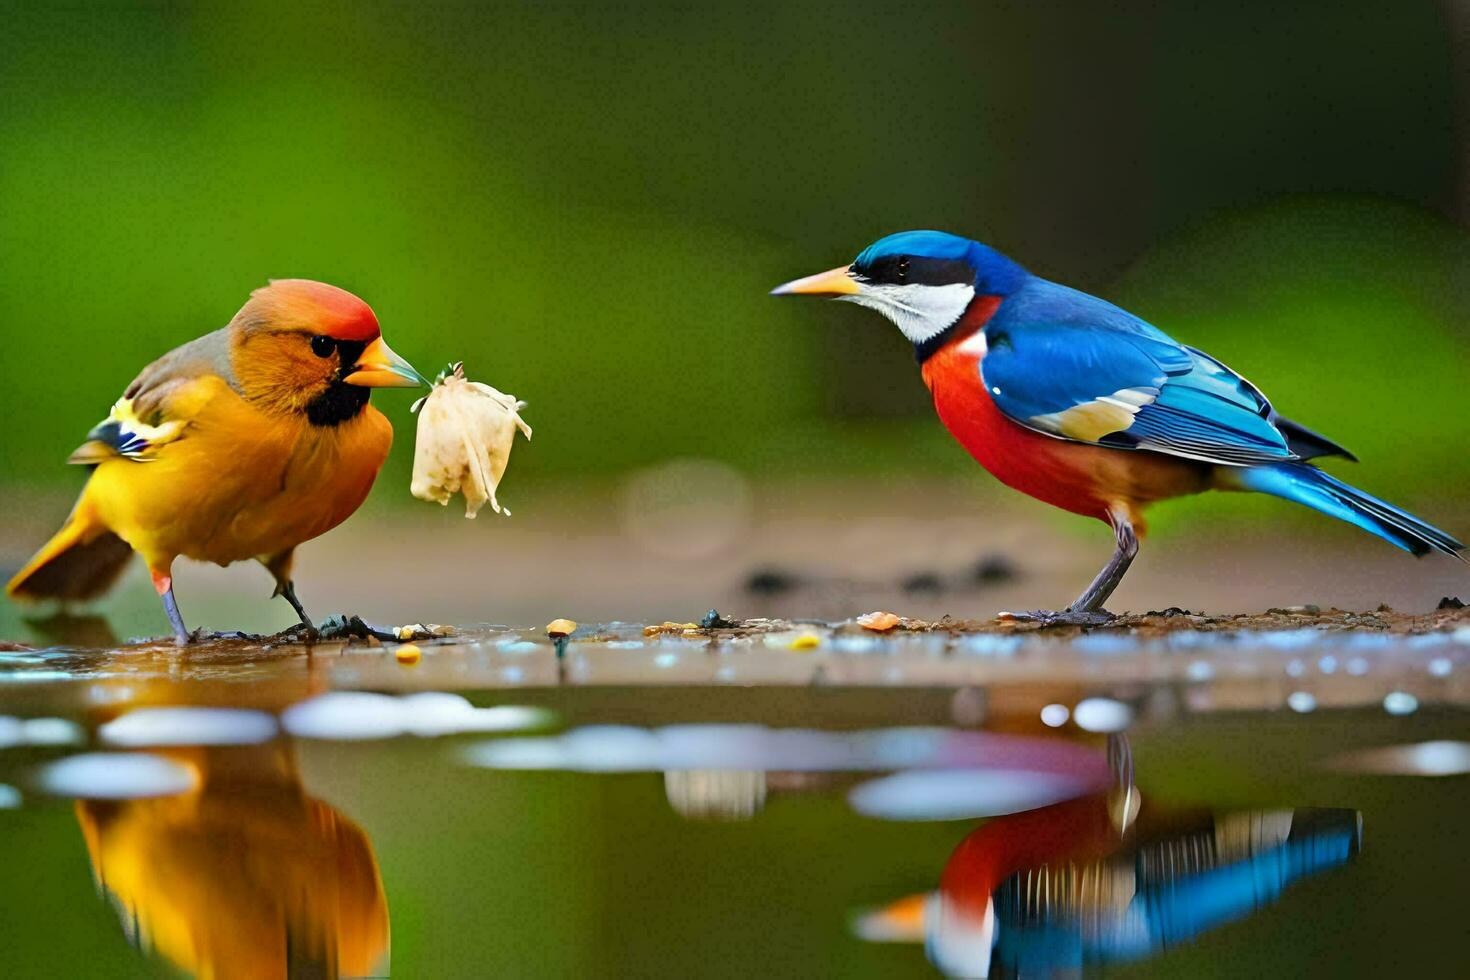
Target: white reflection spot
[358,715]
[959,794]
[1440,758]
[9,797]
[52,731]
[1296,668]
[1441,666]
[609,748]
[116,776]
[1301,702]
[1055,715]
[38,731]
[1200,670]
[1357,666]
[189,726]
[1400,703]
[1328,664]
[347,715]
[1102,715]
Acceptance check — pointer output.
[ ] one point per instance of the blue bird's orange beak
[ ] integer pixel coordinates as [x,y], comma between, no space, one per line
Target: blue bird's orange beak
[832,283]
[378,367]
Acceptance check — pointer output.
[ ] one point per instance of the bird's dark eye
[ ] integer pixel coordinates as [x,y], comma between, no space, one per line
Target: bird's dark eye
[903,267]
[323,346]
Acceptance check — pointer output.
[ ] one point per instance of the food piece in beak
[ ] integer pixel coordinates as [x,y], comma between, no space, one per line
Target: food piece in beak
[465,434]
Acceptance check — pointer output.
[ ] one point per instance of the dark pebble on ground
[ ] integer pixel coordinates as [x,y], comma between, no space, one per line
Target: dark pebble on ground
[714,621]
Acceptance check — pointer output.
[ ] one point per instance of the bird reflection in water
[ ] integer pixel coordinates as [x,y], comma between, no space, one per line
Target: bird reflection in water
[245,876]
[1108,878]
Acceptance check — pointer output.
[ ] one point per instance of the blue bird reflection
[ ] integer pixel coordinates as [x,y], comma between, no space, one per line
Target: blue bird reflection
[1108,878]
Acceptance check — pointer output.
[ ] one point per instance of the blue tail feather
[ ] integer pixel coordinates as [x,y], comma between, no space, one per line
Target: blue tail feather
[1308,485]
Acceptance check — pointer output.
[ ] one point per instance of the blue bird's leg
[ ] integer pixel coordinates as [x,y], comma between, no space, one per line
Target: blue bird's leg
[1123,800]
[1088,609]
[1091,600]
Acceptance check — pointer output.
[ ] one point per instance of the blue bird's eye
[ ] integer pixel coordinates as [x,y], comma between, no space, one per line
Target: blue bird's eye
[903,267]
[323,346]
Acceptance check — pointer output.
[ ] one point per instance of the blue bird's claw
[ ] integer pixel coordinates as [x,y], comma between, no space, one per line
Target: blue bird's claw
[1064,617]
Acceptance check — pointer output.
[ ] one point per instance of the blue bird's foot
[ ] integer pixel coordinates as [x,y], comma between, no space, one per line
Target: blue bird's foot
[1063,617]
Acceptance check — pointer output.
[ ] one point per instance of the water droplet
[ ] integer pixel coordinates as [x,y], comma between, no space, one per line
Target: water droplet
[1055,715]
[1301,702]
[1400,703]
[1102,715]
[117,776]
[189,726]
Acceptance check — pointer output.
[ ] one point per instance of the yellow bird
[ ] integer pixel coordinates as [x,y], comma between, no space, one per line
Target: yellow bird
[241,444]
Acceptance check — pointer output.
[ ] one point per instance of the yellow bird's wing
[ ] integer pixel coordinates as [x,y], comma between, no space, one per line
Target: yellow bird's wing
[158,406]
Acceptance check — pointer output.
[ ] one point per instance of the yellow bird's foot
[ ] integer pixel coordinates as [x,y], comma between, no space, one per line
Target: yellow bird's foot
[297,633]
[202,635]
[349,627]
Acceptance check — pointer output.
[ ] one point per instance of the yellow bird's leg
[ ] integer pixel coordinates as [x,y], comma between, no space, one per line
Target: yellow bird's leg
[279,566]
[163,584]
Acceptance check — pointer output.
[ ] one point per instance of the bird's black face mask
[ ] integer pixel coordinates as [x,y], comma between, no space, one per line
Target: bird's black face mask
[340,401]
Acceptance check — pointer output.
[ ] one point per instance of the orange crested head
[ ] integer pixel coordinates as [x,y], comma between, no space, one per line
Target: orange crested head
[299,346]
[308,306]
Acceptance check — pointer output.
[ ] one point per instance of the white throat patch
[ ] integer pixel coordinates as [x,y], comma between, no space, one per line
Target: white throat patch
[921,312]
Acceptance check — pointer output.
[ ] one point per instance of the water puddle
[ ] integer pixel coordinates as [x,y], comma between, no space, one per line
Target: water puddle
[791,801]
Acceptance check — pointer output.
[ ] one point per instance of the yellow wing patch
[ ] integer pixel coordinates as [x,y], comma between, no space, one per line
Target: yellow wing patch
[124,435]
[1092,420]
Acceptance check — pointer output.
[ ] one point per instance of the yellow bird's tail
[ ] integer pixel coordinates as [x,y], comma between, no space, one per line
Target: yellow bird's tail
[81,561]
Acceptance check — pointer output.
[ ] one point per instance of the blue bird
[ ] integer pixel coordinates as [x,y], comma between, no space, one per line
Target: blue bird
[1076,402]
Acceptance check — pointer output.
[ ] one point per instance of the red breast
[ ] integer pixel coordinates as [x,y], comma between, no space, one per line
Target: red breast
[1058,472]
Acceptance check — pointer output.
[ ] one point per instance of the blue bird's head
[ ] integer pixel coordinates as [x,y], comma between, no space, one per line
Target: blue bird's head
[921,280]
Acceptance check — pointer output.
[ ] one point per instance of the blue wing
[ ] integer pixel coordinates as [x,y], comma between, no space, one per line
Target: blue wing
[1073,366]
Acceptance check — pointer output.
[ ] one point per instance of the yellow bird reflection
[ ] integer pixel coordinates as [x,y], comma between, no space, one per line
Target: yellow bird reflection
[246,876]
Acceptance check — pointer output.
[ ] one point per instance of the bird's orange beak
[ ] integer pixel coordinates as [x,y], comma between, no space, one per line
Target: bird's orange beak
[833,282]
[378,367]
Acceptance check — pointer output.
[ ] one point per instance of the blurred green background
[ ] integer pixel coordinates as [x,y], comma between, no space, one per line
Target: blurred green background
[588,204]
